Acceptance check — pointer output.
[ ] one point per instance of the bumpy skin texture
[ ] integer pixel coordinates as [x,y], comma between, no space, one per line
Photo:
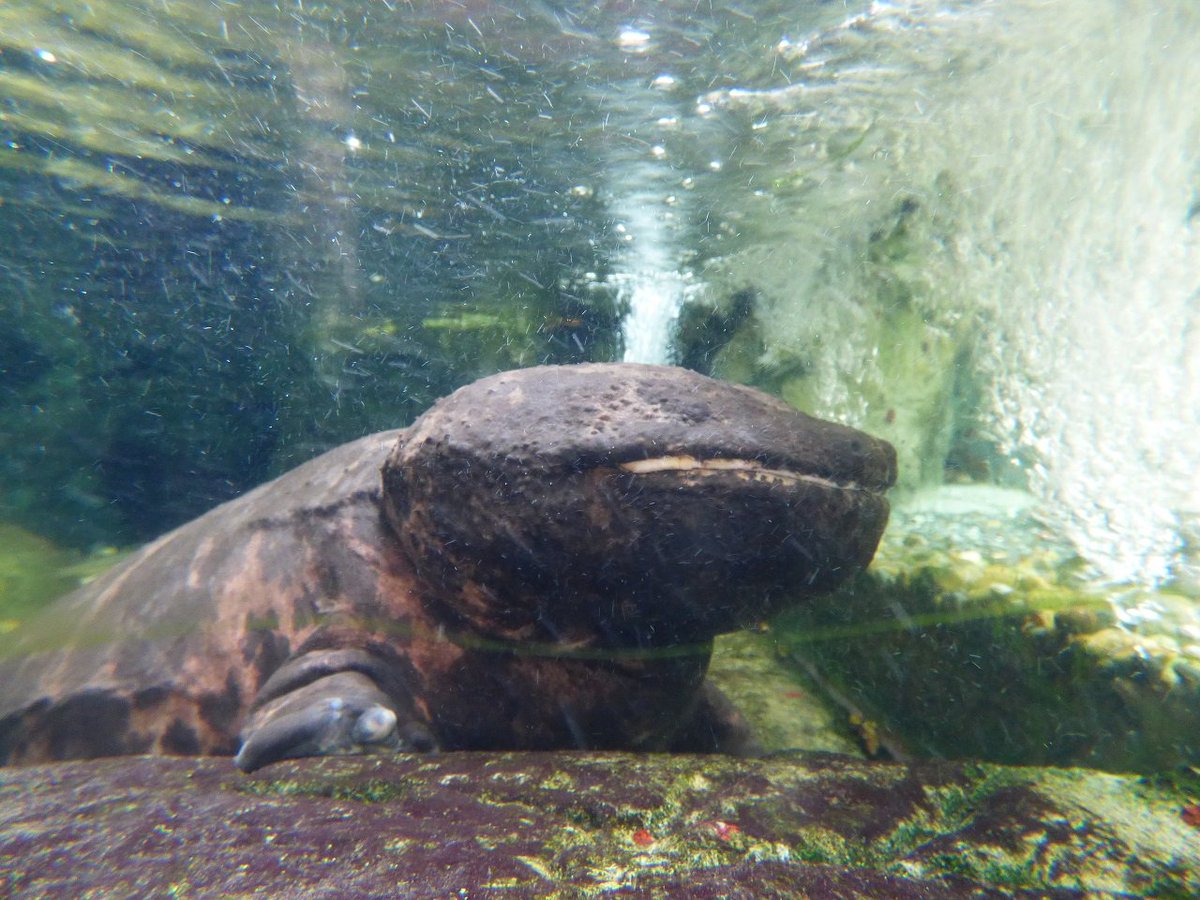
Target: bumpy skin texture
[540,545]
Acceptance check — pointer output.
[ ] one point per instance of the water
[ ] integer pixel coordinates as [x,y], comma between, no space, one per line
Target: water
[235,236]
[1024,178]
[1089,270]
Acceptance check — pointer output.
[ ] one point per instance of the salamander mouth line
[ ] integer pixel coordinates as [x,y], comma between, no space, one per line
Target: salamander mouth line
[748,468]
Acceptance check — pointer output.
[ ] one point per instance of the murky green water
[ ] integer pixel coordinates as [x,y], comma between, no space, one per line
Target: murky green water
[236,234]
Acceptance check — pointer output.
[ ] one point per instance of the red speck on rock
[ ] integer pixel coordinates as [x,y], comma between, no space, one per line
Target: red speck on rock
[723,830]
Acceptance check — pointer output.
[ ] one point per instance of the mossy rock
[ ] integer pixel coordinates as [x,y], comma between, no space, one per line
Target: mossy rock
[977,634]
[589,825]
[784,707]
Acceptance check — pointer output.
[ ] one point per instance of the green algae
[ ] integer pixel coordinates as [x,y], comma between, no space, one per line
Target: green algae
[510,822]
[371,790]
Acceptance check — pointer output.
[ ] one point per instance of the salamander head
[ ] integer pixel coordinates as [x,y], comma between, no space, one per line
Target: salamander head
[630,505]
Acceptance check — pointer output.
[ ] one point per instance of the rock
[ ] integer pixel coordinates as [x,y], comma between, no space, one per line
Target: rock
[979,634]
[567,825]
[785,709]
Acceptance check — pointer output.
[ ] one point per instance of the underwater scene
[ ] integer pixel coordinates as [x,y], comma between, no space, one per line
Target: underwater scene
[819,450]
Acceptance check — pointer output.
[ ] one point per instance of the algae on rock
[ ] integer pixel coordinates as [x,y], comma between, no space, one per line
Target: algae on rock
[977,634]
[589,825]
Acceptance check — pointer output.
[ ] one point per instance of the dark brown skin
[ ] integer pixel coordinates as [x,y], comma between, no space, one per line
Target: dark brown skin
[543,564]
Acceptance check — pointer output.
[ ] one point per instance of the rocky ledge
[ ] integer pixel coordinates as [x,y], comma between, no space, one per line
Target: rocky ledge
[591,825]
